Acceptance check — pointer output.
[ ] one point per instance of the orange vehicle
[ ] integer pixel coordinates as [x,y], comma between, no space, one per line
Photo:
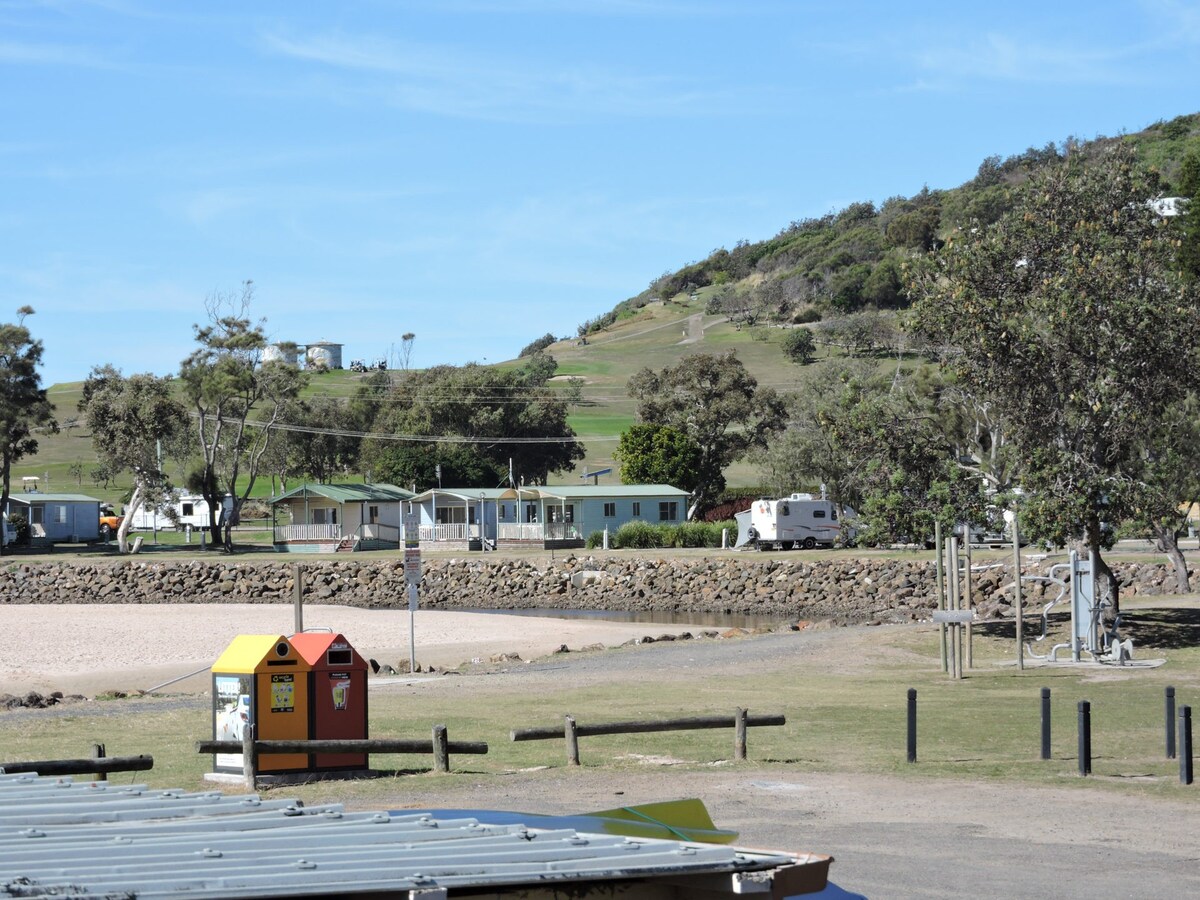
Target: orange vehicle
[109,522]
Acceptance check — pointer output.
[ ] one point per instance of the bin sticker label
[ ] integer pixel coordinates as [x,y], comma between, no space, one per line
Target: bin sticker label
[283,693]
[340,684]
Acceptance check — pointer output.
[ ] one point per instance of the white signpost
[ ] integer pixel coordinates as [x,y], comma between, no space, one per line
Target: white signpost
[412,577]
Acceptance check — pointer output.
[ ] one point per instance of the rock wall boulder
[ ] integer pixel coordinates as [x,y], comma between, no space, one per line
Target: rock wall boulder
[840,589]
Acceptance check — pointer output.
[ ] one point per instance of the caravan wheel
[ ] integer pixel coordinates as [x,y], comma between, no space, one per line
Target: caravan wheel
[809,543]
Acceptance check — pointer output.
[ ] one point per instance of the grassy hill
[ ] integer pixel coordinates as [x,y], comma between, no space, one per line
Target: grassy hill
[814,271]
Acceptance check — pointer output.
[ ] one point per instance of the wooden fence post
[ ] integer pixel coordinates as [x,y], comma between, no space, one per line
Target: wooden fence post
[441,749]
[572,741]
[98,753]
[249,757]
[739,734]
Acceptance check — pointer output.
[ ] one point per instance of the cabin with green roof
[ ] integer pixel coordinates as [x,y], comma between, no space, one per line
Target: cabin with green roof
[323,518]
[547,516]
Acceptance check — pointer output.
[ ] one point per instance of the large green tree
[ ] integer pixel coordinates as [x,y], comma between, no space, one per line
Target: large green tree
[134,422]
[473,420]
[24,406]
[1071,317]
[238,400]
[898,461]
[658,454]
[717,403]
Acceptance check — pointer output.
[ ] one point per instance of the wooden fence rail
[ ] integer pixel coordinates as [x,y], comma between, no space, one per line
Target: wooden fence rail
[572,731]
[440,746]
[98,765]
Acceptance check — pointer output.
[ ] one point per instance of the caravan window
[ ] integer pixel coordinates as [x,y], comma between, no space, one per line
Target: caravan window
[833,513]
[187,509]
[818,513]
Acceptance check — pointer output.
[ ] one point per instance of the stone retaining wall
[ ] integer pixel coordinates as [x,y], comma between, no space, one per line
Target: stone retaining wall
[838,589]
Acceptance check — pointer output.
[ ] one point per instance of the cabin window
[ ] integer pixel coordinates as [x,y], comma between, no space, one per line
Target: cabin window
[668,511]
[610,510]
[818,513]
[187,509]
[637,508]
[372,514]
[324,515]
[530,512]
[561,513]
[60,514]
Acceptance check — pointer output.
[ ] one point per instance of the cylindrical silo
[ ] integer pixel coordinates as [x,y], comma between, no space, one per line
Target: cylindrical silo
[325,355]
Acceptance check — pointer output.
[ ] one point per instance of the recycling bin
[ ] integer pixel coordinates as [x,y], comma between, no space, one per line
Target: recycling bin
[261,679]
[337,694]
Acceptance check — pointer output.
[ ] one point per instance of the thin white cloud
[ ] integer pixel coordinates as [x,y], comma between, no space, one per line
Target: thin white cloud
[445,81]
[1000,57]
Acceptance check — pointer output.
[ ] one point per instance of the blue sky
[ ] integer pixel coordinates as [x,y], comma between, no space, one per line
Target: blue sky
[480,173]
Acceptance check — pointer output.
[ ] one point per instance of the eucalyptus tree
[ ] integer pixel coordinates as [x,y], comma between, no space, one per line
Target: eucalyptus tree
[1070,316]
[238,401]
[716,402]
[132,421]
[25,409]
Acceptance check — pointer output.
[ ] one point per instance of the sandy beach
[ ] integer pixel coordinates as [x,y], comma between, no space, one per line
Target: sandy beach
[88,648]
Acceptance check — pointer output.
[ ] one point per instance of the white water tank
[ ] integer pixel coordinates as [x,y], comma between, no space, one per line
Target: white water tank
[284,353]
[324,355]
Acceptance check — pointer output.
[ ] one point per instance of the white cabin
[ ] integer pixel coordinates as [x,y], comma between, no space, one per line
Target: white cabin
[800,520]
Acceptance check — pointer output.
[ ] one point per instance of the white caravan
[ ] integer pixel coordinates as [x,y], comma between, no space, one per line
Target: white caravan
[177,512]
[800,520]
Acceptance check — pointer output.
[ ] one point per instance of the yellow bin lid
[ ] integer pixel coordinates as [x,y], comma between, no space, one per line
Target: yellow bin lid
[249,652]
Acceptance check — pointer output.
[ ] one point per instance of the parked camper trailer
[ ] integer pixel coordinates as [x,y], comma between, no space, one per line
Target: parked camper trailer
[177,512]
[800,520]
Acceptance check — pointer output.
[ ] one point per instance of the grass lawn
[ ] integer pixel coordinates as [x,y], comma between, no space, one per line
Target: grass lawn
[846,713]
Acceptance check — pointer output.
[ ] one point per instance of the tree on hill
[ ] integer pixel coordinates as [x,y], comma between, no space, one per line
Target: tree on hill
[238,401]
[717,403]
[132,421]
[658,454]
[1071,316]
[490,415]
[24,407]
[1189,239]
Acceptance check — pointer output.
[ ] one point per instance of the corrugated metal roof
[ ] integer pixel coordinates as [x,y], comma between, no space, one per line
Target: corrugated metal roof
[348,493]
[64,838]
[38,497]
[557,492]
[590,491]
[466,494]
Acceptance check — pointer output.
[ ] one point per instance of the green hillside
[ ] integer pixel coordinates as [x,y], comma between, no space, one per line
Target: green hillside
[823,273]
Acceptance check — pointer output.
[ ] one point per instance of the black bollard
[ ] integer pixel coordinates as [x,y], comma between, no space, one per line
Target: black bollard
[912,725]
[1085,738]
[1170,720]
[1185,745]
[1045,723]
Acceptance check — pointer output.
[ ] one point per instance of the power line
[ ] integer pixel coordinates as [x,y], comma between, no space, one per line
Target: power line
[423,438]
